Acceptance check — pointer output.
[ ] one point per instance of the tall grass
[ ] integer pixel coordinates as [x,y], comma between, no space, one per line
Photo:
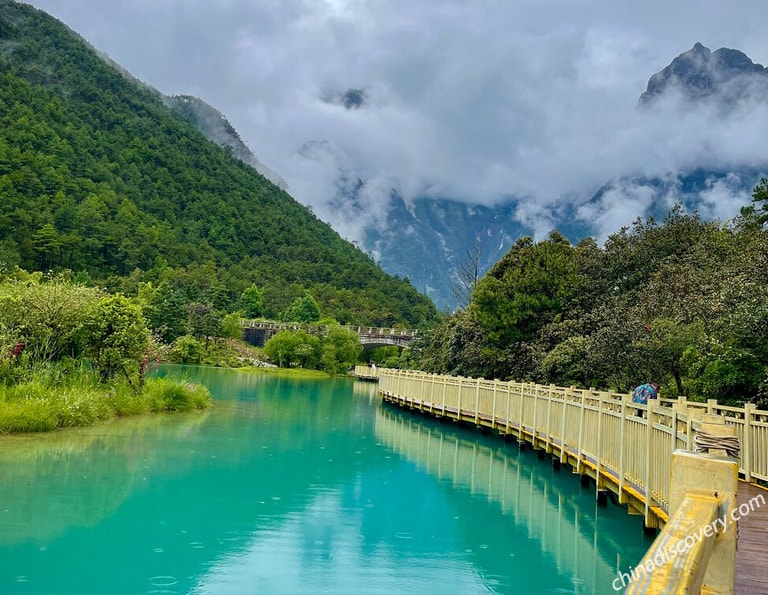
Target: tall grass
[58,396]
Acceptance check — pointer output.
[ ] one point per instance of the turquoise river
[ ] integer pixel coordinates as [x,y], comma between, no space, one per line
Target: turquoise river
[291,486]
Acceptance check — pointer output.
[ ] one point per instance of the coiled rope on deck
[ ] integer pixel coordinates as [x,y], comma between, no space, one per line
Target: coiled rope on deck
[705,442]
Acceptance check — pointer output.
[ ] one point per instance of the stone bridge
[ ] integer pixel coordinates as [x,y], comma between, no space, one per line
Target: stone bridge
[259,332]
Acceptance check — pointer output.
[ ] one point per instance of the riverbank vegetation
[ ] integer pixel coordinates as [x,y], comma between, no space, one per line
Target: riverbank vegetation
[296,373]
[333,352]
[72,355]
[40,404]
[683,302]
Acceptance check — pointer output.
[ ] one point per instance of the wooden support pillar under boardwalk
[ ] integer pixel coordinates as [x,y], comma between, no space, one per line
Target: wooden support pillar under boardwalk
[601,496]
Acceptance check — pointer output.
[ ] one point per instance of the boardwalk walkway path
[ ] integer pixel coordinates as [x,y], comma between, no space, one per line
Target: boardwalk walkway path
[624,447]
[752,552]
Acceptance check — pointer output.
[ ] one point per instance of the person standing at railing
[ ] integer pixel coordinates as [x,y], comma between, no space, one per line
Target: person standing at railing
[642,393]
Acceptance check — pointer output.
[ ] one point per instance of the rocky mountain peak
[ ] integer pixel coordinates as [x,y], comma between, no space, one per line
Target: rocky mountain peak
[725,75]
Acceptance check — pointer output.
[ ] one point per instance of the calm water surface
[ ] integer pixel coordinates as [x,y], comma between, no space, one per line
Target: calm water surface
[297,486]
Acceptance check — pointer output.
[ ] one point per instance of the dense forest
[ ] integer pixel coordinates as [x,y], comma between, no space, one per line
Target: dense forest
[99,177]
[683,302]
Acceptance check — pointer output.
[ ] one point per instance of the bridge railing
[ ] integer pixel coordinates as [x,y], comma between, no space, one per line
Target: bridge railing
[696,550]
[366,372]
[323,328]
[622,444]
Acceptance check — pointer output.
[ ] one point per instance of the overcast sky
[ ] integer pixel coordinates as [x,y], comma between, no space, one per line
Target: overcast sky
[477,100]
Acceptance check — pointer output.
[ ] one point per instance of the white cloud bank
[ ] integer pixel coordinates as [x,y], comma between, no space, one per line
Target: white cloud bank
[477,101]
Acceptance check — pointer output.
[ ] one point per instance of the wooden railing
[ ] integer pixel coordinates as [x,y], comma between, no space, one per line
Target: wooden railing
[366,372]
[640,452]
[323,328]
[626,447]
[369,335]
[696,550]
[752,430]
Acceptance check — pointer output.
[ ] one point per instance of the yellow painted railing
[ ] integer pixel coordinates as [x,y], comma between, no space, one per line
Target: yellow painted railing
[626,447]
[367,372]
[640,452]
[688,573]
[696,550]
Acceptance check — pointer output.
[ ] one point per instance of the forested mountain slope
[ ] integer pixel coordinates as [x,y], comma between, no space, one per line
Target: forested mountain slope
[98,176]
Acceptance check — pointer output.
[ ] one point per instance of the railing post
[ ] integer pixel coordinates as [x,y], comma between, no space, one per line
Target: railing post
[477,400]
[548,443]
[746,447]
[622,426]
[493,408]
[535,412]
[509,403]
[460,390]
[693,415]
[563,452]
[599,482]
[674,429]
[681,407]
[579,454]
[432,393]
[648,436]
[445,387]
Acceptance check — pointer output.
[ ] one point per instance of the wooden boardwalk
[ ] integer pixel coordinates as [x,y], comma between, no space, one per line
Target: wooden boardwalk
[752,553]
[604,436]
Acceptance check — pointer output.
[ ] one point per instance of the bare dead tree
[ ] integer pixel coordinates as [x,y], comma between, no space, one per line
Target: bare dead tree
[467,273]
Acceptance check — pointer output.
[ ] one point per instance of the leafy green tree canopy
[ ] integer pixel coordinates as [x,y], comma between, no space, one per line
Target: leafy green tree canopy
[294,348]
[525,289]
[252,301]
[341,349]
[303,310]
[760,198]
[117,335]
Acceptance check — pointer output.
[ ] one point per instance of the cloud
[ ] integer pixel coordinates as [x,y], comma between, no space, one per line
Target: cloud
[321,173]
[617,206]
[476,101]
[722,198]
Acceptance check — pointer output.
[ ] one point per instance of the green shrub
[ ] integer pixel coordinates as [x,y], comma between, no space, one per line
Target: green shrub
[165,395]
[80,400]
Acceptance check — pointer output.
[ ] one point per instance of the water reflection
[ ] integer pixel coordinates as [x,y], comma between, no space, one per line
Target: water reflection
[107,462]
[548,508]
[293,486]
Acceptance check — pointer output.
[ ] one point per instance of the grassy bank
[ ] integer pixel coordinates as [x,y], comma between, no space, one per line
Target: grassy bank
[49,400]
[287,372]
